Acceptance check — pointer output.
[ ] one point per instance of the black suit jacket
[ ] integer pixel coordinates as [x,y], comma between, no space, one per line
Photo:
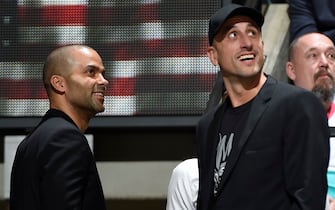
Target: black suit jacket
[54,169]
[312,16]
[281,159]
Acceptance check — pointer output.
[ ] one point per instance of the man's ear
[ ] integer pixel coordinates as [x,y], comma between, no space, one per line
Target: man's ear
[290,71]
[57,83]
[212,55]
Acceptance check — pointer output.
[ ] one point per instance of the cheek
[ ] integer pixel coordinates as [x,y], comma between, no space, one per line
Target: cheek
[305,69]
[304,75]
[79,86]
[305,80]
[332,69]
[217,57]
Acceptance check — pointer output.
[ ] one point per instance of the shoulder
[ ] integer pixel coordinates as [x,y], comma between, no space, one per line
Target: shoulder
[209,114]
[285,90]
[188,166]
[57,123]
[58,126]
[296,101]
[186,172]
[57,129]
[297,93]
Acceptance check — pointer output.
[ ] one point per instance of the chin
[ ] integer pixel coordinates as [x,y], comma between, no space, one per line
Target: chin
[101,110]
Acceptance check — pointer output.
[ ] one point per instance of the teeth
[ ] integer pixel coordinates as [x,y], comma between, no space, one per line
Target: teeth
[243,57]
[100,94]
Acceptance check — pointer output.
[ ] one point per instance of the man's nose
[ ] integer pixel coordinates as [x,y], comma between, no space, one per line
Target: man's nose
[245,42]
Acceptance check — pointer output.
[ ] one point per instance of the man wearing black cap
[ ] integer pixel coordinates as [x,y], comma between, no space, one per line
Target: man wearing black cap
[266,146]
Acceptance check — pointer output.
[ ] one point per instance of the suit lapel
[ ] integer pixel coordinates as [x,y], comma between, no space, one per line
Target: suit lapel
[213,131]
[258,107]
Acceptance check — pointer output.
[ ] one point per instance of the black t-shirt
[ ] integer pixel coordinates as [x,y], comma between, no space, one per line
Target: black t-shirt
[232,122]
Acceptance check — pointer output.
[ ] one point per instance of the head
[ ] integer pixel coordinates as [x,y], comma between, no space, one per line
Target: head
[311,65]
[73,76]
[235,40]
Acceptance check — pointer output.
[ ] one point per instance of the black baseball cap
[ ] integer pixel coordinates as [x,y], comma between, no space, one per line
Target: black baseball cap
[228,11]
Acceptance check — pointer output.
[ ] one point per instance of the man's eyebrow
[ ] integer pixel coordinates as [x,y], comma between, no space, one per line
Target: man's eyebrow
[316,49]
[312,49]
[331,48]
[94,66]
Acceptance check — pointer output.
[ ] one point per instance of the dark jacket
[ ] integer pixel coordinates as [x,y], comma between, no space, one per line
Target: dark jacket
[54,169]
[312,16]
[281,160]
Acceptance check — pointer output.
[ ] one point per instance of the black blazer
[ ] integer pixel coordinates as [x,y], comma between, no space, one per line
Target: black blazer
[281,159]
[54,169]
[312,16]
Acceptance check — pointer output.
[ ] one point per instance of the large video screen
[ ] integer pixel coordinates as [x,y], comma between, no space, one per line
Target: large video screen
[154,52]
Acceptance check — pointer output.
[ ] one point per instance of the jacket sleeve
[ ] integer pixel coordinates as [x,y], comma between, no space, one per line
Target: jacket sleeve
[306,152]
[302,20]
[308,16]
[64,170]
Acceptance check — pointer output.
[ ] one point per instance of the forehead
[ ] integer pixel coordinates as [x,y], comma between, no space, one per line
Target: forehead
[314,41]
[232,21]
[85,57]
[85,52]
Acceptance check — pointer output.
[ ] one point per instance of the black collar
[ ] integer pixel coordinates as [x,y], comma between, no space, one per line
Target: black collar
[56,113]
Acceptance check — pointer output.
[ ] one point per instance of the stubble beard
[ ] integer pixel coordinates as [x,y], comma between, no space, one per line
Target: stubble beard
[325,90]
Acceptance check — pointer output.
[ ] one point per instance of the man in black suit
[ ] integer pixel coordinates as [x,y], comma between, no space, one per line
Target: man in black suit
[308,16]
[267,145]
[54,167]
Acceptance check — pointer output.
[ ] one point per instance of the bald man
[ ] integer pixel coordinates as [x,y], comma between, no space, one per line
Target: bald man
[54,168]
[311,66]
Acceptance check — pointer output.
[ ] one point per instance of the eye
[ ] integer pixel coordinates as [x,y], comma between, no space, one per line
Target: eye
[90,71]
[251,33]
[311,55]
[331,55]
[232,35]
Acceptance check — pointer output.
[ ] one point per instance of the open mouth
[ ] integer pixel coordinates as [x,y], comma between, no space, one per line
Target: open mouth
[99,94]
[247,57]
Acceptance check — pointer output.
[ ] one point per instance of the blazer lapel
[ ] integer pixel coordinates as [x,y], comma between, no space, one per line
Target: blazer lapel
[258,107]
[213,131]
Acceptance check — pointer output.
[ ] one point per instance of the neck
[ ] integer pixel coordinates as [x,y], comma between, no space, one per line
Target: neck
[80,118]
[241,91]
